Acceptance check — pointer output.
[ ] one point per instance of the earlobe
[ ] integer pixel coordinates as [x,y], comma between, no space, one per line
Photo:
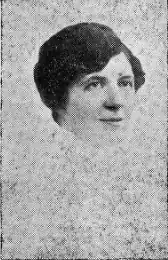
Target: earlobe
[56,116]
[60,115]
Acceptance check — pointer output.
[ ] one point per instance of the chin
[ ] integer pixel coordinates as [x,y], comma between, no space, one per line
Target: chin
[105,139]
[100,135]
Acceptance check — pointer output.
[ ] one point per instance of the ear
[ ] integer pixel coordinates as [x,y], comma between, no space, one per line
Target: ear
[58,115]
[55,115]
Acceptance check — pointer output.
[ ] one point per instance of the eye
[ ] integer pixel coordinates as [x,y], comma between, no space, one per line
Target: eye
[125,83]
[91,85]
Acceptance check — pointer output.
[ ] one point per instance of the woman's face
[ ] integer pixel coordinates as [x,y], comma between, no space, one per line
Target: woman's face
[101,103]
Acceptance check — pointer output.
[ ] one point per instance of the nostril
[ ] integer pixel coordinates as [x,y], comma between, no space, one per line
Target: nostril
[113,107]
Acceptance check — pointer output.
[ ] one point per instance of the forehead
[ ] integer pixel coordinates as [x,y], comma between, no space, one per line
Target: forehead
[117,66]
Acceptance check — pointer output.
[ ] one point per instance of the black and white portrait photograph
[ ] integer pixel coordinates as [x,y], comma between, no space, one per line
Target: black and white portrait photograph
[84,129]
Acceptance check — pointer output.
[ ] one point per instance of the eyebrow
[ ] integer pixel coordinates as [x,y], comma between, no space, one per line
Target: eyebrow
[96,77]
[126,77]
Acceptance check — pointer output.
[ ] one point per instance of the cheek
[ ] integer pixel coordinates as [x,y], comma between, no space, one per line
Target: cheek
[129,103]
[81,108]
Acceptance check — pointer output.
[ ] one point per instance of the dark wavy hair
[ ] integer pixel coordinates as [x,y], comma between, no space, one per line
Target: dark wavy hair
[73,52]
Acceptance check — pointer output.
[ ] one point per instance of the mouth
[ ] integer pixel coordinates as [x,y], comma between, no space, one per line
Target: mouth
[112,119]
[115,122]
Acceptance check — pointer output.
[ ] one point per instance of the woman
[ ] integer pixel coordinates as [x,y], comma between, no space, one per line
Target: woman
[88,78]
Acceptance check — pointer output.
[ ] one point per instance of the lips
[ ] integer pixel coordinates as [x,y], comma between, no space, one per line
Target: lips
[114,119]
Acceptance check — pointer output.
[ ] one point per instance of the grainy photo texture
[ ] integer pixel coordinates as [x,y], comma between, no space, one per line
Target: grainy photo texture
[84,129]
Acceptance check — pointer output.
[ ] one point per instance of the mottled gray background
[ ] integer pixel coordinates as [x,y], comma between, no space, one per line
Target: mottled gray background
[60,198]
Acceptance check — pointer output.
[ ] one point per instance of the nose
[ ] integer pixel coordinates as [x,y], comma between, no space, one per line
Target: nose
[113,99]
